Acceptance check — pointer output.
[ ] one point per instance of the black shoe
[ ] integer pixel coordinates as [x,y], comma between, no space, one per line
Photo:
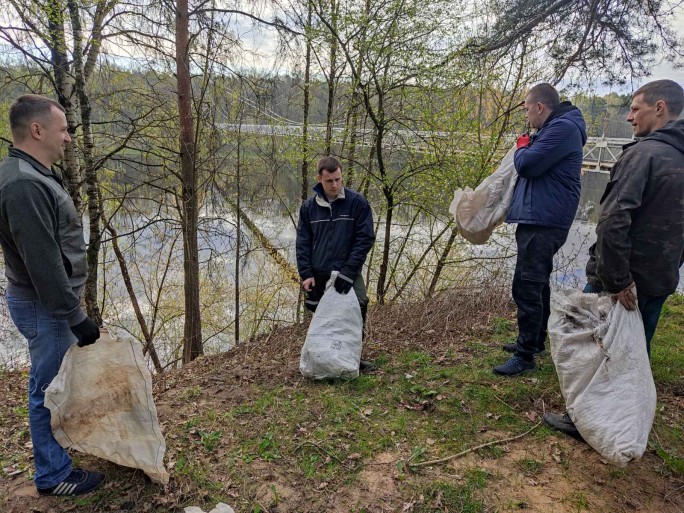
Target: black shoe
[77,483]
[365,367]
[513,346]
[514,366]
[564,424]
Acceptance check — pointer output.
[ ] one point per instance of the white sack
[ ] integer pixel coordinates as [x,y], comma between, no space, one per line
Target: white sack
[478,212]
[599,350]
[220,508]
[101,404]
[332,348]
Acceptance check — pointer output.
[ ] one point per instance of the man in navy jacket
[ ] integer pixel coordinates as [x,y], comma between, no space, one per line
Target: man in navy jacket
[334,233]
[544,204]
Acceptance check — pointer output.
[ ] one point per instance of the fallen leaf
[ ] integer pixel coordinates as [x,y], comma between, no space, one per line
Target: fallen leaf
[354,456]
[532,415]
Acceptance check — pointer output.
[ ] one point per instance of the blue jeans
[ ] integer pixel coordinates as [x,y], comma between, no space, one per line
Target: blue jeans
[649,307]
[48,341]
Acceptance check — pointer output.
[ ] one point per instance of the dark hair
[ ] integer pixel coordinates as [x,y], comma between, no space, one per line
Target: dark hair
[546,94]
[28,108]
[667,90]
[329,164]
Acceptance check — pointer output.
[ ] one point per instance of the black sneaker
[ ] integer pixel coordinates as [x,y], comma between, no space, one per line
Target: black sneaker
[514,366]
[365,367]
[564,424]
[77,483]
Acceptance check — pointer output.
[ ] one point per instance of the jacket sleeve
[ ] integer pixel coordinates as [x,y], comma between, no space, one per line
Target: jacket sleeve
[304,244]
[546,151]
[31,213]
[590,270]
[364,237]
[622,197]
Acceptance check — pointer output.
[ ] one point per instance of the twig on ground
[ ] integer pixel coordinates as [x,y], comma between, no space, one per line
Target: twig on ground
[472,449]
[319,448]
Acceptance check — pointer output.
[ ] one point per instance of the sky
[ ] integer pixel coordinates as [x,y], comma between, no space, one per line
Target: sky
[264,42]
[665,69]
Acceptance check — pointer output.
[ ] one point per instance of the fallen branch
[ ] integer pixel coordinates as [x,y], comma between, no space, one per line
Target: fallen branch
[472,449]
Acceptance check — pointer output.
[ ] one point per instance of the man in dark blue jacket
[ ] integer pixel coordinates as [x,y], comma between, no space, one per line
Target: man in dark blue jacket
[335,233]
[545,200]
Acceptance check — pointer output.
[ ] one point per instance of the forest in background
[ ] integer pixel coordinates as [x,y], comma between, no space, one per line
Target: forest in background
[186,204]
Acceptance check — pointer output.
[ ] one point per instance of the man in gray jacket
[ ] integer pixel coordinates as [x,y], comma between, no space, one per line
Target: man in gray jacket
[45,265]
[640,233]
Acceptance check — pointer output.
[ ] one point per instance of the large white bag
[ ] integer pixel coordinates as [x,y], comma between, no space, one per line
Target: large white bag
[599,350]
[332,348]
[478,212]
[101,404]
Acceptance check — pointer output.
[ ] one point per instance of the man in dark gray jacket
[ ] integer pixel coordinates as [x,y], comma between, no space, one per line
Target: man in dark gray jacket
[640,233]
[45,265]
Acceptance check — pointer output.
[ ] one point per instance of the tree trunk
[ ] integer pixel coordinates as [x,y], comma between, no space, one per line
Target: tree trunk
[93,251]
[64,86]
[441,261]
[334,7]
[305,122]
[192,333]
[128,283]
[238,229]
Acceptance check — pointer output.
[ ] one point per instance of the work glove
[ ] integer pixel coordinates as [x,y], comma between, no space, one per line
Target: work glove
[523,141]
[87,332]
[343,284]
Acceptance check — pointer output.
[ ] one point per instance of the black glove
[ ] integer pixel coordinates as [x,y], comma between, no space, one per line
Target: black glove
[343,284]
[87,332]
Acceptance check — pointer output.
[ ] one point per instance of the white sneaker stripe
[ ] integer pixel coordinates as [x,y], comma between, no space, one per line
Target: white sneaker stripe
[58,489]
[71,489]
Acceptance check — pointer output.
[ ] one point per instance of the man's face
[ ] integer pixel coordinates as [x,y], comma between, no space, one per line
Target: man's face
[55,135]
[331,182]
[643,117]
[534,112]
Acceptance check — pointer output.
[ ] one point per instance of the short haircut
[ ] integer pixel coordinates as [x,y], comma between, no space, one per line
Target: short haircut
[667,90]
[546,94]
[27,109]
[329,164]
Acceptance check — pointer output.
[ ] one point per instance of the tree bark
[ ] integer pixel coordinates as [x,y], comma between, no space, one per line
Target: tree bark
[305,122]
[93,251]
[192,333]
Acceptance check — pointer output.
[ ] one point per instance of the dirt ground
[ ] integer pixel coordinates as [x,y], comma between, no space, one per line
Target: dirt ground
[568,476]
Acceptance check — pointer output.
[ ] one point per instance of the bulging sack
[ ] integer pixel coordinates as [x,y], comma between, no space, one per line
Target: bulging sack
[101,404]
[478,212]
[599,350]
[332,348]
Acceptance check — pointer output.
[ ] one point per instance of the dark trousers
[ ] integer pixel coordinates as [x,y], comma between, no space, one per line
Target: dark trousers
[650,308]
[537,246]
[315,295]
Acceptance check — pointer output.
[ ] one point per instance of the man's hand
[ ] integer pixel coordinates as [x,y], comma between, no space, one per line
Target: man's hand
[627,297]
[523,141]
[87,332]
[343,284]
[308,284]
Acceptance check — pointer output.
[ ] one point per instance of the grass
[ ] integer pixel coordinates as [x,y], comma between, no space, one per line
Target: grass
[329,436]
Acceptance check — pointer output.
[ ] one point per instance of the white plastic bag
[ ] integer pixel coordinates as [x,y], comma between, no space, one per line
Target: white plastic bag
[101,404]
[332,348]
[220,508]
[599,350]
[478,212]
